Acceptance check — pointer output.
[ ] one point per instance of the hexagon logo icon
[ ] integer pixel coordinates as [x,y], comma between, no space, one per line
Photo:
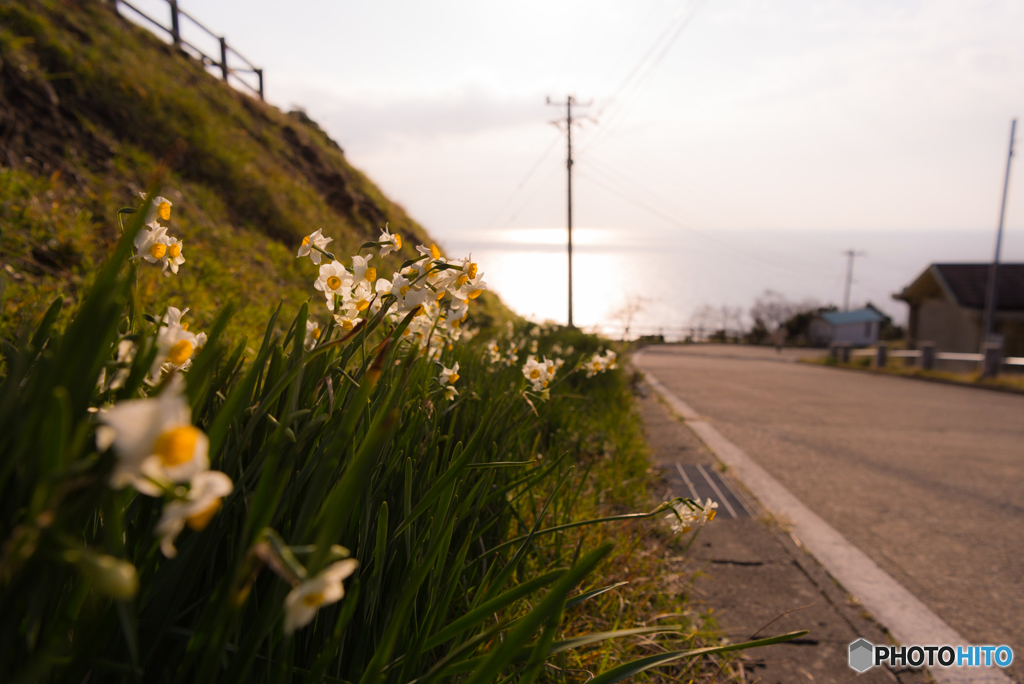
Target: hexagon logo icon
[861,652]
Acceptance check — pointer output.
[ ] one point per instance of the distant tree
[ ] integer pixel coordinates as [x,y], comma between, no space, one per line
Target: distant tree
[758,334]
[772,309]
[887,330]
[626,313]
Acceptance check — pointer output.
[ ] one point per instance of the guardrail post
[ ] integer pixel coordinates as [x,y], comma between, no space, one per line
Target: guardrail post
[881,355]
[993,352]
[844,351]
[259,72]
[175,28]
[224,57]
[927,355]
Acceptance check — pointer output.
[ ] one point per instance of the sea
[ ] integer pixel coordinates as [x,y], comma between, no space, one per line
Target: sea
[672,282]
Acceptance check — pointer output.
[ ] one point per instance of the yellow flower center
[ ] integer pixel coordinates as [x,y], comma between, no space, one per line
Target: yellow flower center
[362,304]
[313,600]
[419,312]
[398,241]
[440,295]
[305,241]
[174,251]
[404,290]
[435,252]
[316,333]
[455,324]
[346,324]
[165,211]
[413,272]
[180,352]
[158,250]
[711,515]
[462,280]
[176,446]
[199,521]
[184,326]
[534,374]
[334,282]
[452,378]
[475,293]
[371,273]
[472,270]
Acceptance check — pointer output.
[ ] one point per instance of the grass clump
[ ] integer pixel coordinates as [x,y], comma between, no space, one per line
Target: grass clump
[371,498]
[92,104]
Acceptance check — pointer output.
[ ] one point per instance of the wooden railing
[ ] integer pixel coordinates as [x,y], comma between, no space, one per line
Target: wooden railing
[174,30]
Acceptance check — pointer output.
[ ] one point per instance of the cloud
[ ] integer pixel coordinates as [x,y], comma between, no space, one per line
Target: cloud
[374,121]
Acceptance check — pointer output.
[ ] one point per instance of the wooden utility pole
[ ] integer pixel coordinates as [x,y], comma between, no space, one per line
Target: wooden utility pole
[851,255]
[992,291]
[569,103]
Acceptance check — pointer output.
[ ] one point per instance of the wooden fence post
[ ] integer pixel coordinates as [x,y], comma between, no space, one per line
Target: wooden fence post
[175,28]
[882,355]
[259,72]
[224,57]
[990,365]
[845,352]
[927,355]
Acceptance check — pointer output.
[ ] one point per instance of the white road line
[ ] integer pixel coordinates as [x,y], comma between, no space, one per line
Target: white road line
[906,617]
[693,491]
[718,491]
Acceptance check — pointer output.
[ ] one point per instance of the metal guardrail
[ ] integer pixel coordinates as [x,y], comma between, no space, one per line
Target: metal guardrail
[174,30]
[872,352]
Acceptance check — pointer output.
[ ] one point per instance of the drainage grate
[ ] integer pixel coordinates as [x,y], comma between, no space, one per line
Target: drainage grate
[701,482]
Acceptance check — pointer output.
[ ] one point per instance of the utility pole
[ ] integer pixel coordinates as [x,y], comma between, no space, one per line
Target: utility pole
[851,255]
[569,103]
[992,292]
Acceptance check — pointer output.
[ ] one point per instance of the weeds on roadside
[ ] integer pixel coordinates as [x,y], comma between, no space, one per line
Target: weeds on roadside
[366,497]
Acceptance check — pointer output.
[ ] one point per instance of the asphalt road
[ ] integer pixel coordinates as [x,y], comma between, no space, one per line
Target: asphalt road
[926,479]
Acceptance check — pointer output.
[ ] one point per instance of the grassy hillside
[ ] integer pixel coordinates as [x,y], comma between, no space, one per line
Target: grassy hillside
[90,105]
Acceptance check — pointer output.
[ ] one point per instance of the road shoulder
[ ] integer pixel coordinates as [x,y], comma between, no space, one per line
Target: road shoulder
[752,572]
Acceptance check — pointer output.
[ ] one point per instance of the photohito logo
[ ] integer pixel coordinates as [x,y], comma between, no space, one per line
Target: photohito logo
[864,655]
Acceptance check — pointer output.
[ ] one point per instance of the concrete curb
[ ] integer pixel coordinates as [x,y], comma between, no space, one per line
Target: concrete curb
[908,619]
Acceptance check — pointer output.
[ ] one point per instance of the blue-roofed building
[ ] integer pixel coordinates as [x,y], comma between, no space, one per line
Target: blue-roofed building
[859,327]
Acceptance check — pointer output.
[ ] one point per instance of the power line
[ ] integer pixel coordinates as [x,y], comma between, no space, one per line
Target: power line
[670,219]
[610,176]
[523,182]
[684,20]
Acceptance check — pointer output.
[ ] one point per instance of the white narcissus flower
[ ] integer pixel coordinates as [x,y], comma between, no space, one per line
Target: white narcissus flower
[361,269]
[393,242]
[124,357]
[685,518]
[347,317]
[149,244]
[536,372]
[325,588]
[196,509]
[333,280]
[175,344]
[154,440]
[361,296]
[450,392]
[449,376]
[471,288]
[312,240]
[312,335]
[172,259]
[433,252]
[161,207]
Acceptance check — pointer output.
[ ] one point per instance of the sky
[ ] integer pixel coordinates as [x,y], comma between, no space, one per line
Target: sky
[718,125]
